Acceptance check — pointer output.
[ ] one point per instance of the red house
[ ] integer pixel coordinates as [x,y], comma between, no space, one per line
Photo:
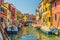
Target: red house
[12,9]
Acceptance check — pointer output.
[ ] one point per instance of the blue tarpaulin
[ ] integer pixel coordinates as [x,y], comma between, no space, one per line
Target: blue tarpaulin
[53,29]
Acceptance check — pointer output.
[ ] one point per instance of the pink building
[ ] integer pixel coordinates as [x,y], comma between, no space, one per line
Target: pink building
[1,1]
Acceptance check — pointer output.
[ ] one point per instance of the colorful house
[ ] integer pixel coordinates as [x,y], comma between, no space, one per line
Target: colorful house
[37,15]
[3,15]
[55,13]
[25,18]
[8,17]
[8,14]
[17,16]
[12,10]
[1,2]
[40,8]
[46,13]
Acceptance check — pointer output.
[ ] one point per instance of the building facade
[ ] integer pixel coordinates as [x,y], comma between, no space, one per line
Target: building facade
[37,15]
[55,13]
[17,16]
[1,2]
[46,13]
[8,14]
[3,15]
[40,8]
[12,10]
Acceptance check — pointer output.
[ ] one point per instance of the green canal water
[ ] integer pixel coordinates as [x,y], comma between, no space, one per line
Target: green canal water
[34,34]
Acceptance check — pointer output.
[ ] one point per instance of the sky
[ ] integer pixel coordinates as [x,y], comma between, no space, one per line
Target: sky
[25,6]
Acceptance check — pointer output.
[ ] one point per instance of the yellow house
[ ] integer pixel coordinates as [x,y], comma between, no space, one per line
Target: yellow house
[17,16]
[8,14]
[6,4]
[8,17]
[25,18]
[46,13]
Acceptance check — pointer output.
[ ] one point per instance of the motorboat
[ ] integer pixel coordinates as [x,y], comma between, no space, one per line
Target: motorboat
[12,29]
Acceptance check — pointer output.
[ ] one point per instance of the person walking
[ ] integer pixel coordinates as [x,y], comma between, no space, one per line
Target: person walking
[21,26]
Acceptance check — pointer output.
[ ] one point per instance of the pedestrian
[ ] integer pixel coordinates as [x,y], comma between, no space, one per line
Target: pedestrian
[21,26]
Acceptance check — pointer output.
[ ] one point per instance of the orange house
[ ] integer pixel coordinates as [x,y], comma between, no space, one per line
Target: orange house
[55,4]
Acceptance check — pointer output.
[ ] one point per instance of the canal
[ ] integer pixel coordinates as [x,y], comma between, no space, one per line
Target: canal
[30,33]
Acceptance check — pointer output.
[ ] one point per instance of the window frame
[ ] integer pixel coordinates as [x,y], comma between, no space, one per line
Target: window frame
[55,17]
[55,4]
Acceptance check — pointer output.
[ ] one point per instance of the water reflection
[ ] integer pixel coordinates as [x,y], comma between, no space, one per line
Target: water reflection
[30,33]
[28,37]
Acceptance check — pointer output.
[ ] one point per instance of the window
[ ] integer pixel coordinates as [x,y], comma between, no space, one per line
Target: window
[43,10]
[46,20]
[1,19]
[8,20]
[1,10]
[49,19]
[18,17]
[55,4]
[46,9]
[43,20]
[12,14]
[55,17]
